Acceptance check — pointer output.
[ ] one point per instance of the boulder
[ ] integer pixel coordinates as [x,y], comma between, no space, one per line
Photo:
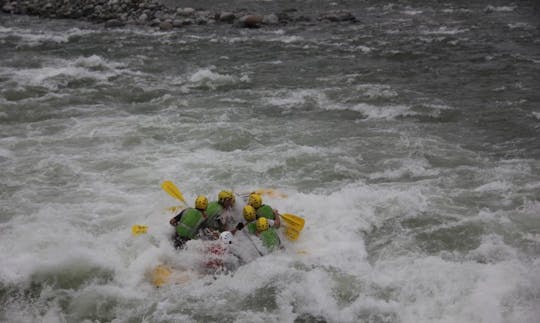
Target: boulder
[227,17]
[165,25]
[177,23]
[185,11]
[250,21]
[142,18]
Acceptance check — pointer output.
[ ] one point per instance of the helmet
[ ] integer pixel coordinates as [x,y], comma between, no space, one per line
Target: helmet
[262,224]
[249,213]
[201,202]
[255,200]
[223,195]
[226,237]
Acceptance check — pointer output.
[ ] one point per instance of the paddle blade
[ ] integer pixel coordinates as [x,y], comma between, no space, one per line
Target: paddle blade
[175,209]
[293,221]
[291,233]
[164,275]
[161,275]
[264,191]
[139,229]
[173,191]
[270,192]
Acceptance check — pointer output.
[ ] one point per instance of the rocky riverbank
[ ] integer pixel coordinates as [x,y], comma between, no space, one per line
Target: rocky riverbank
[118,13]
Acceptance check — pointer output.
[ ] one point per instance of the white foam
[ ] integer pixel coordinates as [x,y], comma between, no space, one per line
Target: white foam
[5,153]
[460,10]
[291,99]
[364,49]
[332,279]
[412,12]
[492,250]
[444,30]
[407,168]
[296,98]
[500,8]
[498,186]
[381,112]
[432,290]
[206,77]
[58,72]
[32,38]
[521,25]
[376,90]
[287,39]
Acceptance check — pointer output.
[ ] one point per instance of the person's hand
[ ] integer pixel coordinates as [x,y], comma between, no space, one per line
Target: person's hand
[277,221]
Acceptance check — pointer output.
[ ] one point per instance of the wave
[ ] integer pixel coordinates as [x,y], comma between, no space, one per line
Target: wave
[33,38]
[500,8]
[59,73]
[207,78]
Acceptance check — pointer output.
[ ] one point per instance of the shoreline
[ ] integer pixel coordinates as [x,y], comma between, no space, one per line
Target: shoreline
[153,13]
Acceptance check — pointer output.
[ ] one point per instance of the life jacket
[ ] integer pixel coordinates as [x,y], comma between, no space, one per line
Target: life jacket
[213,211]
[252,227]
[189,223]
[265,211]
[270,239]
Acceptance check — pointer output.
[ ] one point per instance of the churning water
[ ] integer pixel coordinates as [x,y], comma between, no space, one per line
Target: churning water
[409,141]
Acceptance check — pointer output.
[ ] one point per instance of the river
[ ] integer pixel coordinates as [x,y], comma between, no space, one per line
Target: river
[409,141]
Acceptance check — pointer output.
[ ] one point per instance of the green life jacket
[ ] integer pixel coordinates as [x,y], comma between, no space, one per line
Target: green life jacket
[270,239]
[252,227]
[213,211]
[265,211]
[189,223]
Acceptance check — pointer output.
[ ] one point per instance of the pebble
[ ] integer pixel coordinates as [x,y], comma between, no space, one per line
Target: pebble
[118,13]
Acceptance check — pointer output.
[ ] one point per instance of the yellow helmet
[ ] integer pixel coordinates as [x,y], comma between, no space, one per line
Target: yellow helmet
[255,200]
[223,195]
[201,202]
[262,224]
[249,213]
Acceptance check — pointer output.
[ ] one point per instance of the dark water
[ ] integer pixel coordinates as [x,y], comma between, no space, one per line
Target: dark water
[408,141]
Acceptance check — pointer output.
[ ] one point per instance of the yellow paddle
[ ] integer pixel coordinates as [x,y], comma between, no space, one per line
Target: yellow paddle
[161,275]
[291,233]
[293,221]
[265,191]
[139,229]
[270,192]
[175,209]
[173,191]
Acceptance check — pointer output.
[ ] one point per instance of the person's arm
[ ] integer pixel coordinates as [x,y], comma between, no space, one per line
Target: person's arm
[239,227]
[222,226]
[210,234]
[174,221]
[204,215]
[277,220]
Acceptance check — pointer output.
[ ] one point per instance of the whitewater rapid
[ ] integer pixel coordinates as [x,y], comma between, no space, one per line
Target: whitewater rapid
[419,187]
